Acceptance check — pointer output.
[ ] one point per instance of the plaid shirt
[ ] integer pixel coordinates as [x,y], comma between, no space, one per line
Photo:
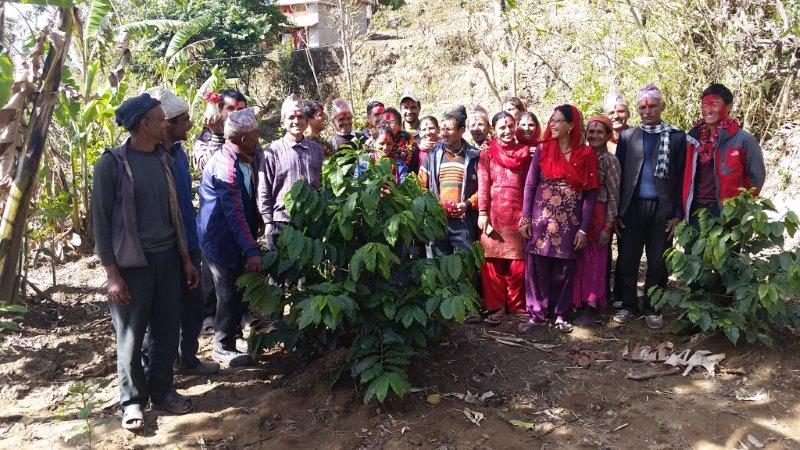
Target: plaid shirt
[286,161]
[610,174]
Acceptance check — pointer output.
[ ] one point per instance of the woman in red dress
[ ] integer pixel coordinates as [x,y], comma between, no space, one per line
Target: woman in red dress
[501,179]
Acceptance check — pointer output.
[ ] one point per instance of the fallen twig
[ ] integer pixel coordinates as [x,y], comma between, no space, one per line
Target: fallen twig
[620,427]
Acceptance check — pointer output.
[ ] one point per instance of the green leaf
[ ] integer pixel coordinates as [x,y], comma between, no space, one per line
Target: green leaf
[454,266]
[308,316]
[446,308]
[732,332]
[389,308]
[6,78]
[97,14]
[144,27]
[186,33]
[382,387]
[763,289]
[59,3]
[398,383]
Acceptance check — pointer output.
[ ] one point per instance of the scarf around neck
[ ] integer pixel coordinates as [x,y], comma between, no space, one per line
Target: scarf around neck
[709,137]
[662,161]
[512,156]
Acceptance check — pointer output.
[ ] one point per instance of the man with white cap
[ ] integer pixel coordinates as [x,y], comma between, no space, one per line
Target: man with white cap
[227,226]
[176,111]
[410,108]
[616,108]
[342,119]
[651,157]
[286,160]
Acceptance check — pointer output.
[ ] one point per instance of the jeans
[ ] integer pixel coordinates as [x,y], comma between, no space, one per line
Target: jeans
[145,370]
[457,238]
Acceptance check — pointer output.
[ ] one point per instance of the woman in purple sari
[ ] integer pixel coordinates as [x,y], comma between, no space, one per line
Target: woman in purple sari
[560,192]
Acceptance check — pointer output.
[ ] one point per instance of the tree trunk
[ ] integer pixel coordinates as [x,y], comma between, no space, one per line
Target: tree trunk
[15,214]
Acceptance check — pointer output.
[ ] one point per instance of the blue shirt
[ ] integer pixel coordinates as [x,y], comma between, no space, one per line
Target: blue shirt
[646,186]
[183,190]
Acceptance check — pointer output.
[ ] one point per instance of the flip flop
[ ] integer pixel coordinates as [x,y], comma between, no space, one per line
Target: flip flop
[133,417]
[563,327]
[529,326]
[496,318]
[175,403]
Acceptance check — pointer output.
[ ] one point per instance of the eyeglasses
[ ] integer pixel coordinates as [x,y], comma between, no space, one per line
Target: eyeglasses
[554,121]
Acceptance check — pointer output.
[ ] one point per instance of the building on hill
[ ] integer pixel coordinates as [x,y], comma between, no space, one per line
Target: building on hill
[315,23]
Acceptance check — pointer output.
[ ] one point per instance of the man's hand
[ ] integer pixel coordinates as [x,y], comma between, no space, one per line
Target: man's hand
[192,276]
[253,264]
[671,224]
[580,240]
[604,238]
[117,289]
[213,123]
[620,226]
[482,222]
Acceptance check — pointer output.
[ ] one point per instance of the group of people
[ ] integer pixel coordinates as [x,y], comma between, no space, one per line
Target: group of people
[543,201]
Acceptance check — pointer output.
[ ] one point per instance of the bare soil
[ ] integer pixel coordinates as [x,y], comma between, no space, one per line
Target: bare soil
[285,403]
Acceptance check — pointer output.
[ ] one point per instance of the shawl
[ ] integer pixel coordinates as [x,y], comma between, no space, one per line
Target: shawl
[537,133]
[511,156]
[581,171]
[709,137]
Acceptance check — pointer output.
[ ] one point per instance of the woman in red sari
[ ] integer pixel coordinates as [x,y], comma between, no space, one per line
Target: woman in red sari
[559,196]
[501,178]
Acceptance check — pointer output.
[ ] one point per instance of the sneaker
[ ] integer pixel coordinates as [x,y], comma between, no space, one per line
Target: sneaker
[208,325]
[201,368]
[232,358]
[622,316]
[654,321]
[242,346]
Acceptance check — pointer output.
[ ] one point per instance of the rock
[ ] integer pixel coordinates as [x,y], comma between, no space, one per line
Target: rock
[434,399]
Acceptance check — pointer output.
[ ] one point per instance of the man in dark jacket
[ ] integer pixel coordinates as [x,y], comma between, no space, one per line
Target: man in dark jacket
[651,157]
[141,242]
[227,224]
[451,174]
[721,157]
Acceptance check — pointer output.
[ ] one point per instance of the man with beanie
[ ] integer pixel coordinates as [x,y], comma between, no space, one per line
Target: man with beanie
[479,126]
[141,242]
[410,108]
[651,157]
[450,172]
[176,111]
[286,160]
[342,119]
[227,225]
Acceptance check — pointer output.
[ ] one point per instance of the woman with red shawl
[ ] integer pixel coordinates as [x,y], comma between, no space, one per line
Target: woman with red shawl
[528,130]
[502,170]
[429,137]
[559,196]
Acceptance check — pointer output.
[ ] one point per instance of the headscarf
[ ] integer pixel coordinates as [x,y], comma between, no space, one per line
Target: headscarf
[581,171]
[291,105]
[513,156]
[172,105]
[240,122]
[537,132]
[601,118]
[133,110]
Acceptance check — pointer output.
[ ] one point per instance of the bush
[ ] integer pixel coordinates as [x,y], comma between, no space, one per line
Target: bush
[354,276]
[735,273]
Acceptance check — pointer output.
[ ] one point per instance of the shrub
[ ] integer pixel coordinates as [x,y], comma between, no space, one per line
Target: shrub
[353,275]
[735,274]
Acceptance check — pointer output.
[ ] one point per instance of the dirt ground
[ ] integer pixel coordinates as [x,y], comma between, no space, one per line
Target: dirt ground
[283,403]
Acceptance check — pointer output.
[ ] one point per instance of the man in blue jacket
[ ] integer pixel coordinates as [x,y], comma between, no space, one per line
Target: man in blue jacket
[227,224]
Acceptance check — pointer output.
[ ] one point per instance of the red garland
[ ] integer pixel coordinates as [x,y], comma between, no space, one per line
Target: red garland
[709,138]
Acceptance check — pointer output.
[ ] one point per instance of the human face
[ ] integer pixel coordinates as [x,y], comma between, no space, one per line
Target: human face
[317,123]
[650,111]
[179,127]
[504,130]
[559,127]
[343,123]
[478,128]
[384,144]
[428,131]
[619,116]
[154,125]
[714,109]
[451,134]
[511,109]
[375,117]
[528,127]
[596,135]
[410,111]
[249,143]
[229,105]
[295,123]
[392,121]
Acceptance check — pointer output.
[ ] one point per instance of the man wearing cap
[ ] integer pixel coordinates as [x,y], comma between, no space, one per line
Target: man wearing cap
[286,160]
[227,224]
[210,138]
[479,127]
[409,108]
[342,119]
[450,172]
[375,110]
[651,157]
[315,113]
[141,241]
[176,111]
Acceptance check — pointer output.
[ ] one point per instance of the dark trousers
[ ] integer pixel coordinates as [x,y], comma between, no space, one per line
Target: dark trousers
[645,229]
[191,318]
[458,237]
[230,306]
[209,296]
[145,371]
[712,209]
[548,286]
[271,233]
